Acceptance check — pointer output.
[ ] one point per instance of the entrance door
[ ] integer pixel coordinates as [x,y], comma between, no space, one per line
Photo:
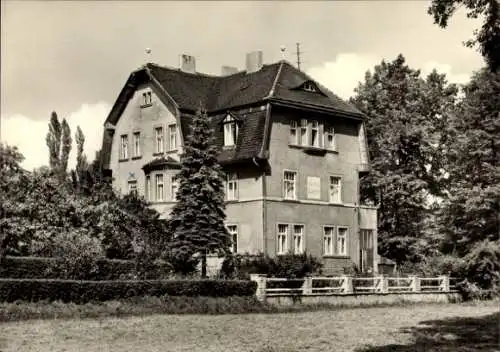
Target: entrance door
[366,250]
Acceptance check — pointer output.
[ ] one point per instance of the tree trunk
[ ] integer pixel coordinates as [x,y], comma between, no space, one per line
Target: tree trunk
[204,265]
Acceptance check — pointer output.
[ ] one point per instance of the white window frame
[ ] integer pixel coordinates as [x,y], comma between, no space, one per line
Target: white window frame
[172,137]
[282,239]
[124,147]
[136,136]
[233,232]
[230,131]
[148,188]
[309,87]
[315,131]
[290,181]
[331,186]
[339,238]
[159,196]
[231,186]
[174,187]
[294,133]
[330,132]
[366,237]
[304,133]
[298,238]
[159,139]
[328,248]
[132,187]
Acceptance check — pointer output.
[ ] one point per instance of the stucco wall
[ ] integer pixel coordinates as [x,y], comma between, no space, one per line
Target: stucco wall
[138,119]
[343,162]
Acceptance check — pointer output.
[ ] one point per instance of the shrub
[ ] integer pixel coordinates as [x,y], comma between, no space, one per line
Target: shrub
[77,255]
[86,291]
[289,266]
[39,268]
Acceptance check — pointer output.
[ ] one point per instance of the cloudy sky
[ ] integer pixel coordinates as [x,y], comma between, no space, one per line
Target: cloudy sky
[74,57]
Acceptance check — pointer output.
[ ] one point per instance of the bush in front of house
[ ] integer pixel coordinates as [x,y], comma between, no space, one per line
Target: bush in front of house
[33,290]
[44,268]
[290,266]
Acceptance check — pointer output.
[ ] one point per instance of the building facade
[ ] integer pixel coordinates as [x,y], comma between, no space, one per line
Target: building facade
[293,153]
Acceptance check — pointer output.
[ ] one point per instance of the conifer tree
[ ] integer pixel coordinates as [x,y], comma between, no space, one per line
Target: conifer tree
[197,219]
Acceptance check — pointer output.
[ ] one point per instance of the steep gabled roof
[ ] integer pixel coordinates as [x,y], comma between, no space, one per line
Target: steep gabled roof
[276,83]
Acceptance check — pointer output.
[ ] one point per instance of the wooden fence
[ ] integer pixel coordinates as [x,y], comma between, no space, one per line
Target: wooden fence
[345,285]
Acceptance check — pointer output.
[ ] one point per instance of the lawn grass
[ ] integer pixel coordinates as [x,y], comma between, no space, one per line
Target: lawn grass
[451,327]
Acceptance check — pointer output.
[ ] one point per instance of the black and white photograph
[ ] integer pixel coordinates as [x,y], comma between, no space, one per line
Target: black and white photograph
[250,176]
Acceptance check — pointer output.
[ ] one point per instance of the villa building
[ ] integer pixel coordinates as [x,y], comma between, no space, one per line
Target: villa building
[293,153]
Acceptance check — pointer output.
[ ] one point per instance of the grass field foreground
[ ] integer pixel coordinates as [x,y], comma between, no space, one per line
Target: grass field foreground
[455,327]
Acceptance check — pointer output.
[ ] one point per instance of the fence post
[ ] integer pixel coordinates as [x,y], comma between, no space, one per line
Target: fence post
[415,283]
[444,283]
[383,284]
[307,285]
[347,286]
[260,293]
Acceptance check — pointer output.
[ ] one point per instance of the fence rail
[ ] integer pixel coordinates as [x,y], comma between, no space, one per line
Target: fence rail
[269,287]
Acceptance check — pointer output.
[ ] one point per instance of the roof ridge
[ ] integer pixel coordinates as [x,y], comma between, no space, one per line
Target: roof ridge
[271,92]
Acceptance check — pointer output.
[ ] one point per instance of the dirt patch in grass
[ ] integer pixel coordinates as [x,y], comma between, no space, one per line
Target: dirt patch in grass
[368,329]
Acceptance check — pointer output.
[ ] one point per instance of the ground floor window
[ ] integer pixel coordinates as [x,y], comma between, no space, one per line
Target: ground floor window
[298,239]
[282,239]
[342,240]
[233,232]
[328,236]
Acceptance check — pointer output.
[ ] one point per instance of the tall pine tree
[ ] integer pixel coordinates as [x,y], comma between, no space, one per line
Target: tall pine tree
[405,113]
[197,219]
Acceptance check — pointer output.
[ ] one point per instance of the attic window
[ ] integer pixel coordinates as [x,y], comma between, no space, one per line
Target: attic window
[146,99]
[309,87]
[230,130]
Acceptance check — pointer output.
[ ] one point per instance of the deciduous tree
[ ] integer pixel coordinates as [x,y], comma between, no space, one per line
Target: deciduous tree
[404,129]
[488,37]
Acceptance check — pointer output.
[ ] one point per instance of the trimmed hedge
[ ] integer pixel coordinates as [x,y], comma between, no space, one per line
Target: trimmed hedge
[33,290]
[39,268]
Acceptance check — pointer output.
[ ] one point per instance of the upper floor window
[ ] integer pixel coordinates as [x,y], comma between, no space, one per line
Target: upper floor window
[230,131]
[124,147]
[172,137]
[174,187]
[233,232]
[146,99]
[330,138]
[303,140]
[159,139]
[132,187]
[137,144]
[282,239]
[293,132]
[232,186]
[335,195]
[315,133]
[289,185]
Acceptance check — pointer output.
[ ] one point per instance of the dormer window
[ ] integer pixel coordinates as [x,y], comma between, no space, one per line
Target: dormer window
[230,130]
[309,87]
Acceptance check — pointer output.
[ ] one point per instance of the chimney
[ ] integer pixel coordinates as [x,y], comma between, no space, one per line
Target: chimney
[228,70]
[254,61]
[188,63]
